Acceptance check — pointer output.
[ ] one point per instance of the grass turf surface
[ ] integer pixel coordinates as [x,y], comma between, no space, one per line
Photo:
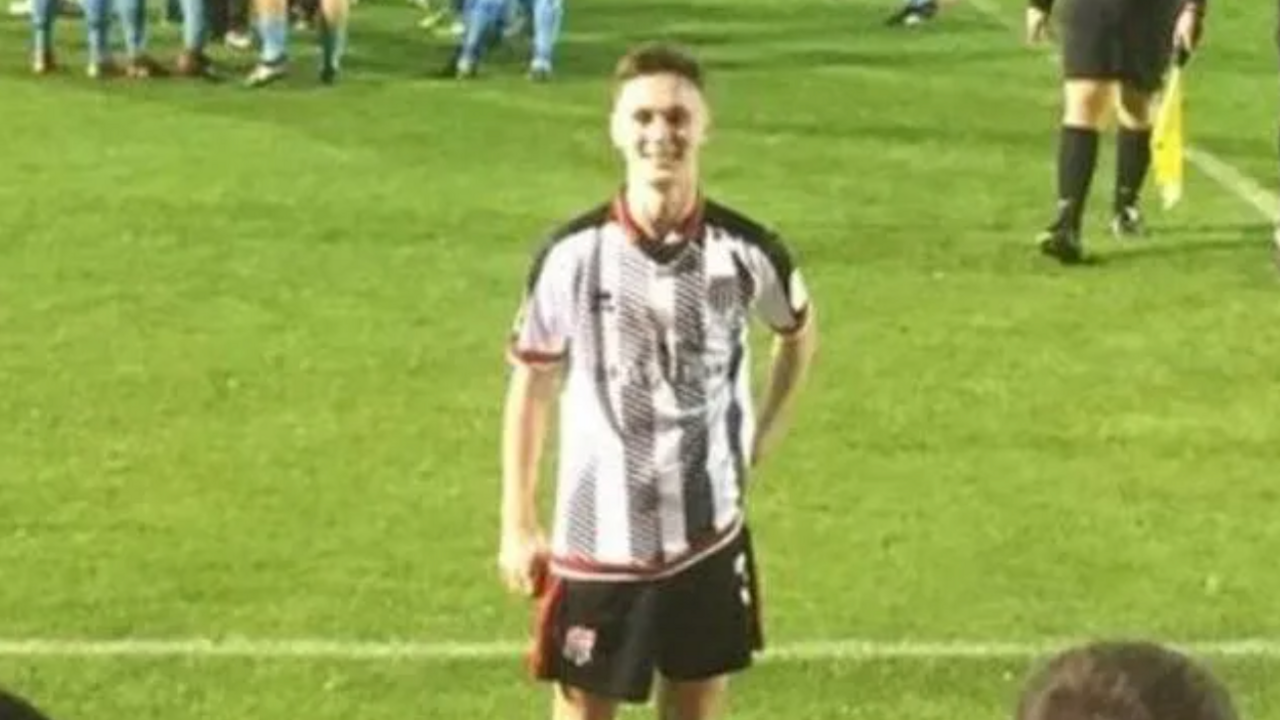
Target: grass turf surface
[251,362]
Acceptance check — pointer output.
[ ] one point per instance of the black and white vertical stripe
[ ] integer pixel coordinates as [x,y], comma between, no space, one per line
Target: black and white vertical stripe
[690,385]
[581,513]
[656,417]
[638,337]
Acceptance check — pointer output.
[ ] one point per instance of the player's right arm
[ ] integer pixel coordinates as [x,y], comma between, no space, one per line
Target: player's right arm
[530,393]
[536,352]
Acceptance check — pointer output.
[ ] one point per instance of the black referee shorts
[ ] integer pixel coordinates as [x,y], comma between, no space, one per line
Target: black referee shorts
[608,638]
[1130,41]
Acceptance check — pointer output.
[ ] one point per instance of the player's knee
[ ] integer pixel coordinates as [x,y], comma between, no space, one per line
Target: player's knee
[1087,102]
[574,704]
[1123,681]
[697,700]
[1133,109]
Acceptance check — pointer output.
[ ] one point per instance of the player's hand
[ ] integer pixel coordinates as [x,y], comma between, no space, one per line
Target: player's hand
[522,561]
[1037,22]
[1186,31]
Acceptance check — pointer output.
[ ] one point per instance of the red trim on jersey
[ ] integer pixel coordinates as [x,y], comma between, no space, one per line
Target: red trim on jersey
[578,567]
[802,319]
[689,226]
[534,358]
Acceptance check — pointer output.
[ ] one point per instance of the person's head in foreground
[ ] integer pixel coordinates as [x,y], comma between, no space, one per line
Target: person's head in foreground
[13,707]
[660,117]
[1123,681]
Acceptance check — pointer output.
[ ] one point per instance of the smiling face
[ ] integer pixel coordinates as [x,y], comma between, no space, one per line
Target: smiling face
[659,123]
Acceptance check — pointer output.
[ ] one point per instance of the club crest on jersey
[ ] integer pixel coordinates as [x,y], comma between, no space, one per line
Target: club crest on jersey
[579,644]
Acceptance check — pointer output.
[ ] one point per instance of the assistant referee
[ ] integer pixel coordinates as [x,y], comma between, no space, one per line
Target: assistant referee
[1114,53]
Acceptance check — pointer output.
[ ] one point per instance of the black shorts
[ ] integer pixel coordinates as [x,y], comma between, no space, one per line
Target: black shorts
[1130,41]
[608,638]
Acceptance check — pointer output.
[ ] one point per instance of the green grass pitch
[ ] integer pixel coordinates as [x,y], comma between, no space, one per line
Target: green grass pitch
[251,363]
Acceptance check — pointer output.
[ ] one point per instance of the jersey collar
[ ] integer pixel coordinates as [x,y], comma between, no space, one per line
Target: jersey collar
[690,226]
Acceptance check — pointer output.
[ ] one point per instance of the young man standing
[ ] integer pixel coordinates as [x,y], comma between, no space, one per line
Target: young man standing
[642,305]
[1113,52]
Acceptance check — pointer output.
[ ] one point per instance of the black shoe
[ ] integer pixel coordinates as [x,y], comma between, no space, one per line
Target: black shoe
[912,14]
[1062,242]
[1127,223]
[328,74]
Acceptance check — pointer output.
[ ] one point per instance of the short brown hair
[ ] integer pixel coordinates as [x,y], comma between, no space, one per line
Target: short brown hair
[658,59]
[1123,681]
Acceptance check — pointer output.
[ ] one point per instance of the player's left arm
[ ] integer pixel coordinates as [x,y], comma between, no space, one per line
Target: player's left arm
[538,346]
[784,304]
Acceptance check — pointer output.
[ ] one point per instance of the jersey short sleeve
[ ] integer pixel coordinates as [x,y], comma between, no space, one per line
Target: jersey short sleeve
[544,323]
[782,300]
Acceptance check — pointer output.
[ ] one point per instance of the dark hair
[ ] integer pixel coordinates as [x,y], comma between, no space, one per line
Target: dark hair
[657,59]
[13,707]
[1123,681]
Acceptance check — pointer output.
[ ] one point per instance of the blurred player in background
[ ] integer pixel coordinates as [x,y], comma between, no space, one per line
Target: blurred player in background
[481,21]
[133,19]
[913,12]
[1114,53]
[518,19]
[442,16]
[97,25]
[485,23]
[229,23]
[192,61]
[273,28]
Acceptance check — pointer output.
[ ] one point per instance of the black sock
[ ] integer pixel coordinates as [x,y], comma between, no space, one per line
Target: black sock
[1133,158]
[1077,156]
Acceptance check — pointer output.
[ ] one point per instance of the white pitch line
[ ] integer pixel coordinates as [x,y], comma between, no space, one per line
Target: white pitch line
[1228,176]
[271,648]
[444,651]
[1215,168]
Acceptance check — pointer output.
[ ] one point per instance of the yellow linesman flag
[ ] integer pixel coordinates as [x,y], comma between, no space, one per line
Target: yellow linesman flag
[1167,139]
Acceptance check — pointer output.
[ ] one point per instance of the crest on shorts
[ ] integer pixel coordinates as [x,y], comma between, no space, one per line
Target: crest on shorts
[579,644]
